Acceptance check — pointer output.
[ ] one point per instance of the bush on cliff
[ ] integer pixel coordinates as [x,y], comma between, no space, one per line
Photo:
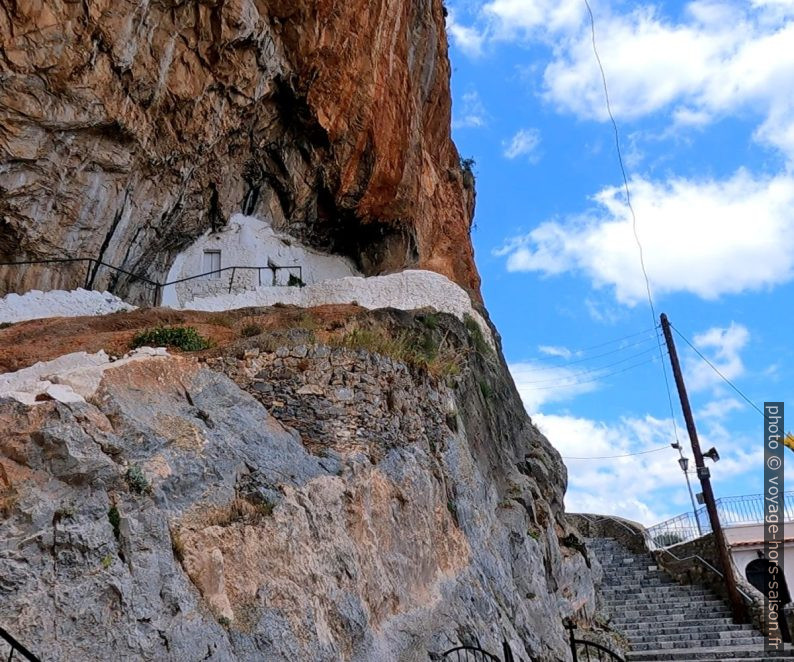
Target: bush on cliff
[185,338]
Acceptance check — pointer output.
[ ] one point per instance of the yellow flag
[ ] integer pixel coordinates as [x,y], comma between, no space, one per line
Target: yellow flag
[788,441]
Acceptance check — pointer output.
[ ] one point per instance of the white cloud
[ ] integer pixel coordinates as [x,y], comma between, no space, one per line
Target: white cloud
[722,346]
[540,384]
[647,488]
[524,143]
[554,350]
[510,19]
[720,409]
[467,39]
[472,113]
[716,59]
[708,238]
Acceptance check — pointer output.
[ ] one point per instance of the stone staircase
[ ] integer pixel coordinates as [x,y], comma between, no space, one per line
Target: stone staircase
[664,620]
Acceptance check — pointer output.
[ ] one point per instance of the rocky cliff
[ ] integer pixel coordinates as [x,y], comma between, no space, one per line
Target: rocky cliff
[341,485]
[129,127]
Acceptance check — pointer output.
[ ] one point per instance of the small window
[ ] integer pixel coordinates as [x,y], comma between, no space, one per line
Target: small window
[212,263]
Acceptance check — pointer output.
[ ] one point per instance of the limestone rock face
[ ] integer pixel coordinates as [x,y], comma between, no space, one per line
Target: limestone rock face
[129,127]
[313,503]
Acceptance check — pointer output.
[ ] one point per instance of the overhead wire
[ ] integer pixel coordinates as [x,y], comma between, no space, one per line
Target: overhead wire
[563,364]
[591,370]
[631,209]
[613,457]
[614,340]
[715,369]
[595,379]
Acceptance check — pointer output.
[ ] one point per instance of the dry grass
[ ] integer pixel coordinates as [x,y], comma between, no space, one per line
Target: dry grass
[415,349]
[237,511]
[8,493]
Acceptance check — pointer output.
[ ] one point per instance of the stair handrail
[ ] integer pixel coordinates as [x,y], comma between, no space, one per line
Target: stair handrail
[17,647]
[651,547]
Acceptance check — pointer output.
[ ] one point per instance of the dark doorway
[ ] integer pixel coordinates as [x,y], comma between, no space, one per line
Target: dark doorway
[758,573]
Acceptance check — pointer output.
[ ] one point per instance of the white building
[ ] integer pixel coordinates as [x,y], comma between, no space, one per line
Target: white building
[247,253]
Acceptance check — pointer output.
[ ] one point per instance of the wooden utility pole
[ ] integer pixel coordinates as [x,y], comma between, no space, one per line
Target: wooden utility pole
[737,606]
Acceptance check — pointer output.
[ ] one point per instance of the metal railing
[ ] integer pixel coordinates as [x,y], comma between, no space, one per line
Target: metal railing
[476,654]
[732,511]
[650,545]
[93,266]
[16,647]
[582,647]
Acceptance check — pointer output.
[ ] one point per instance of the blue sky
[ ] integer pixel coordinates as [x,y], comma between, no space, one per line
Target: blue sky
[703,94]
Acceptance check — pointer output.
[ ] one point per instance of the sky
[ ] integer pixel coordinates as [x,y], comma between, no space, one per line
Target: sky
[703,98]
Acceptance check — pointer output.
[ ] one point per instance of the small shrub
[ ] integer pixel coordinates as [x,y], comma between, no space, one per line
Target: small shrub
[477,337]
[467,165]
[224,622]
[186,338]
[107,561]
[486,389]
[177,546]
[136,480]
[453,509]
[294,281]
[224,320]
[115,521]
[5,325]
[238,511]
[64,512]
[430,320]
[250,330]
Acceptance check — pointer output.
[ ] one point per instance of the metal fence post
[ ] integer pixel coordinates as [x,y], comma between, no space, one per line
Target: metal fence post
[88,273]
[571,627]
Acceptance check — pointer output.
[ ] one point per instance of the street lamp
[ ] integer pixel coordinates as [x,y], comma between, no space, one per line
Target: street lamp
[683,462]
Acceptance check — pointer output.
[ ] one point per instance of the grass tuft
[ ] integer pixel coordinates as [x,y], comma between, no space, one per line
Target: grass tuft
[136,480]
[186,338]
[250,330]
[419,350]
[115,521]
[477,337]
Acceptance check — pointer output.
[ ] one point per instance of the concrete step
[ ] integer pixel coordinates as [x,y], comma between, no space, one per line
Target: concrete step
[708,653]
[663,620]
[705,626]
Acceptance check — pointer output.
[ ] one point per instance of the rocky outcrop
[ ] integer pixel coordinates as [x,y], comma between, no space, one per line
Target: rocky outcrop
[129,127]
[293,498]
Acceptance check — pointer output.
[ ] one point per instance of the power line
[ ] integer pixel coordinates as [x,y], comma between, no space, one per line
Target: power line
[714,368]
[597,356]
[612,342]
[595,379]
[631,207]
[613,457]
[591,370]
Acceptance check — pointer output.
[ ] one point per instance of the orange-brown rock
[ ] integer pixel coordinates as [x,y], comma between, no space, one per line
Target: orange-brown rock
[127,128]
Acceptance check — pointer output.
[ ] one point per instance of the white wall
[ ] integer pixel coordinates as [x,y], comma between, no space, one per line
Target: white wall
[753,535]
[407,290]
[248,241]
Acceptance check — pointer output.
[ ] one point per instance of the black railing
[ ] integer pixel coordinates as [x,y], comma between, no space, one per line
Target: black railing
[588,651]
[476,654]
[157,287]
[16,647]
[733,511]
